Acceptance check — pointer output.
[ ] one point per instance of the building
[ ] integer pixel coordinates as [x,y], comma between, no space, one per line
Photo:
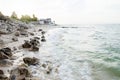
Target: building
[45,21]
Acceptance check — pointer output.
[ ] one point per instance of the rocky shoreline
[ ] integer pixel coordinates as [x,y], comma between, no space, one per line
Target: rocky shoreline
[17,42]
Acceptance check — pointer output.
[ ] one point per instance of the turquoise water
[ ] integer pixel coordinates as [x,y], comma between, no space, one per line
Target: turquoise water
[87,52]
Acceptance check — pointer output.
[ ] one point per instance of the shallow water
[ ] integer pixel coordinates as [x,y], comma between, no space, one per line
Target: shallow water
[89,52]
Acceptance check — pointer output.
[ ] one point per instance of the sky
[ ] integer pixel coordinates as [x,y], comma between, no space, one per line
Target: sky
[66,11]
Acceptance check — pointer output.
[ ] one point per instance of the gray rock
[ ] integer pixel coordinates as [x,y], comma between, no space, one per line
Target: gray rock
[43,40]
[19,73]
[27,44]
[31,61]
[15,39]
[5,63]
[17,33]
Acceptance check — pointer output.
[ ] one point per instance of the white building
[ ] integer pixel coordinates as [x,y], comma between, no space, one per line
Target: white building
[45,21]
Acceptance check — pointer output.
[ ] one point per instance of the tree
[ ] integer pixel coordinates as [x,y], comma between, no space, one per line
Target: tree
[34,18]
[2,17]
[25,18]
[14,16]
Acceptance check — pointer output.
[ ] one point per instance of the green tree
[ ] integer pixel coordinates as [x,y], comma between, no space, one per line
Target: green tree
[25,18]
[34,18]
[14,16]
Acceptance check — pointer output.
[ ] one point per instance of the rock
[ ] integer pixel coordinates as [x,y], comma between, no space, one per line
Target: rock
[1,72]
[14,48]
[32,34]
[3,77]
[24,33]
[43,40]
[5,63]
[27,44]
[7,51]
[49,70]
[44,65]
[36,38]
[43,32]
[34,48]
[23,26]
[3,32]
[34,42]
[15,39]
[19,73]
[3,56]
[17,33]
[40,30]
[31,61]
[43,36]
[1,41]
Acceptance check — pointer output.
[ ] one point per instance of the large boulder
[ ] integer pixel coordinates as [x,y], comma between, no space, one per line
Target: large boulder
[34,48]
[31,61]
[5,53]
[2,76]
[26,44]
[34,42]
[19,73]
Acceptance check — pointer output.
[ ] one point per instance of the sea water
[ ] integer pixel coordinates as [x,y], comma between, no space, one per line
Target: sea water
[86,52]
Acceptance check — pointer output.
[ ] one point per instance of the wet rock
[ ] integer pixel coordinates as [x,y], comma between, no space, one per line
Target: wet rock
[43,40]
[23,26]
[34,42]
[7,51]
[5,63]
[43,32]
[34,48]
[24,33]
[1,42]
[49,70]
[17,33]
[15,39]
[40,30]
[44,65]
[36,38]
[3,56]
[43,36]
[1,72]
[19,73]
[31,61]
[3,77]
[27,44]
[32,34]
[3,32]
[14,48]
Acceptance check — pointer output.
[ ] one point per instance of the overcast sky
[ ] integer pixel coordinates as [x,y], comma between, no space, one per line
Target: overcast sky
[66,11]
